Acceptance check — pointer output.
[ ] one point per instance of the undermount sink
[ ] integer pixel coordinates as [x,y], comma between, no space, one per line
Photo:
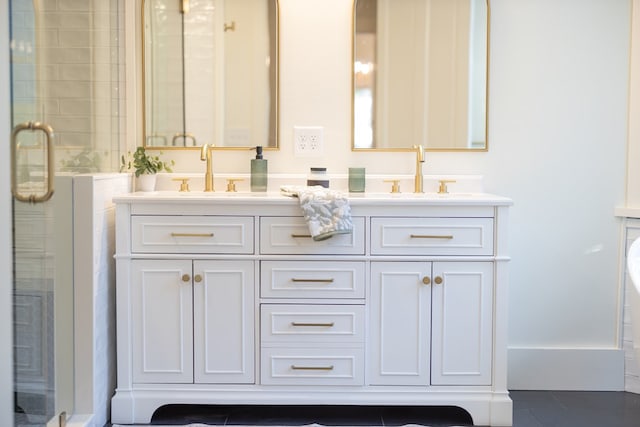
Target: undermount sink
[453,195]
[418,195]
[461,189]
[202,194]
[170,194]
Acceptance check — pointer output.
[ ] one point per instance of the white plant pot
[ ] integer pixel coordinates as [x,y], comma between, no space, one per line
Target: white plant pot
[146,182]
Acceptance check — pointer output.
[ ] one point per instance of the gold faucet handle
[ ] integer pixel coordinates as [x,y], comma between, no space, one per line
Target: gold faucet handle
[420,153]
[231,184]
[395,187]
[442,189]
[184,185]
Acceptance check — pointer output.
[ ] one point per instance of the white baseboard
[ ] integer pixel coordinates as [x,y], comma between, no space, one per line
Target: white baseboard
[80,420]
[592,369]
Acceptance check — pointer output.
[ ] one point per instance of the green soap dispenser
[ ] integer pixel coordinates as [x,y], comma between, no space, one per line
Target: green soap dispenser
[259,171]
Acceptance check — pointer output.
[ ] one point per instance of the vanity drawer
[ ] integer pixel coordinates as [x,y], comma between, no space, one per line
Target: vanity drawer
[312,366]
[281,323]
[290,236]
[431,236]
[192,234]
[312,279]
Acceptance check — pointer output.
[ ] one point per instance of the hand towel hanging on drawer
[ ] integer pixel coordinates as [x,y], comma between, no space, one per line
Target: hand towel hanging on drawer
[327,212]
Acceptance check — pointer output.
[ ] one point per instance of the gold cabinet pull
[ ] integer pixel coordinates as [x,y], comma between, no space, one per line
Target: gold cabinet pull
[320,325]
[438,280]
[294,280]
[312,368]
[191,234]
[301,236]
[197,278]
[426,280]
[186,278]
[431,236]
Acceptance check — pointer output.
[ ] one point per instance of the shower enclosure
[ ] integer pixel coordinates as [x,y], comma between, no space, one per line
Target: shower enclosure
[66,74]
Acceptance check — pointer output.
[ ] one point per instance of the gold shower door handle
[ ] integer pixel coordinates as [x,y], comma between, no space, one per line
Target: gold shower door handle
[48,131]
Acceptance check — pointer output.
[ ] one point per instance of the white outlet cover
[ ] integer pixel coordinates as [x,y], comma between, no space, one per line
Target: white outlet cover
[308,141]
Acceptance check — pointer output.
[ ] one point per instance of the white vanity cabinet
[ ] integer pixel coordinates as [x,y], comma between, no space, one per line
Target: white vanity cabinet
[400,332]
[192,321]
[223,321]
[453,304]
[162,321]
[227,300]
[452,341]
[462,323]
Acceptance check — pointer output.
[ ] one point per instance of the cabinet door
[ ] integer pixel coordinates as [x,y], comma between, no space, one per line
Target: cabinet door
[224,321]
[400,323]
[162,321]
[462,323]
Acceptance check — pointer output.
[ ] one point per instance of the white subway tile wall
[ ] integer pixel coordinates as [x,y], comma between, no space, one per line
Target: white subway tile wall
[94,279]
[68,73]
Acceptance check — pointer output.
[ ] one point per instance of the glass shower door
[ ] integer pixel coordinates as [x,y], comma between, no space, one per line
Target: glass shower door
[32,187]
[66,78]
[34,287]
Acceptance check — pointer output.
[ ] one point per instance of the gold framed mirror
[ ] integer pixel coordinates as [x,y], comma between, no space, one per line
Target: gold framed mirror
[210,73]
[420,74]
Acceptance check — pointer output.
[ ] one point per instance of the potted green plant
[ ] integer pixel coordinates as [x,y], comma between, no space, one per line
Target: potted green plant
[145,167]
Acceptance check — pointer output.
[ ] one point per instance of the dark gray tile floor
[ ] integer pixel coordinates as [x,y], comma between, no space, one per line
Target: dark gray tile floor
[575,409]
[530,409]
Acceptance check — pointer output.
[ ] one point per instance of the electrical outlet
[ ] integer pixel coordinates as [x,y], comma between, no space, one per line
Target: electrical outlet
[308,141]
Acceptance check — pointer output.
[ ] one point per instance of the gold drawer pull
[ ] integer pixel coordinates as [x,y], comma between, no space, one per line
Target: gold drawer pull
[312,368]
[294,280]
[301,236]
[430,236]
[322,325]
[191,234]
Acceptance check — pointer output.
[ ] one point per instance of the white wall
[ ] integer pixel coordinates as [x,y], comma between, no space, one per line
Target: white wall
[559,79]
[557,146]
[633,154]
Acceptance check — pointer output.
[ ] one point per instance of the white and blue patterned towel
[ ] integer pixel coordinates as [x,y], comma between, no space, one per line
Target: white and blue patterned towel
[327,212]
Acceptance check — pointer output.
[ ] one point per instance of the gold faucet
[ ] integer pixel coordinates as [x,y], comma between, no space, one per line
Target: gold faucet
[206,155]
[419,160]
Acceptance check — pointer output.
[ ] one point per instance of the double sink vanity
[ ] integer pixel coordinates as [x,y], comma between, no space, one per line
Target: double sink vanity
[223,298]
